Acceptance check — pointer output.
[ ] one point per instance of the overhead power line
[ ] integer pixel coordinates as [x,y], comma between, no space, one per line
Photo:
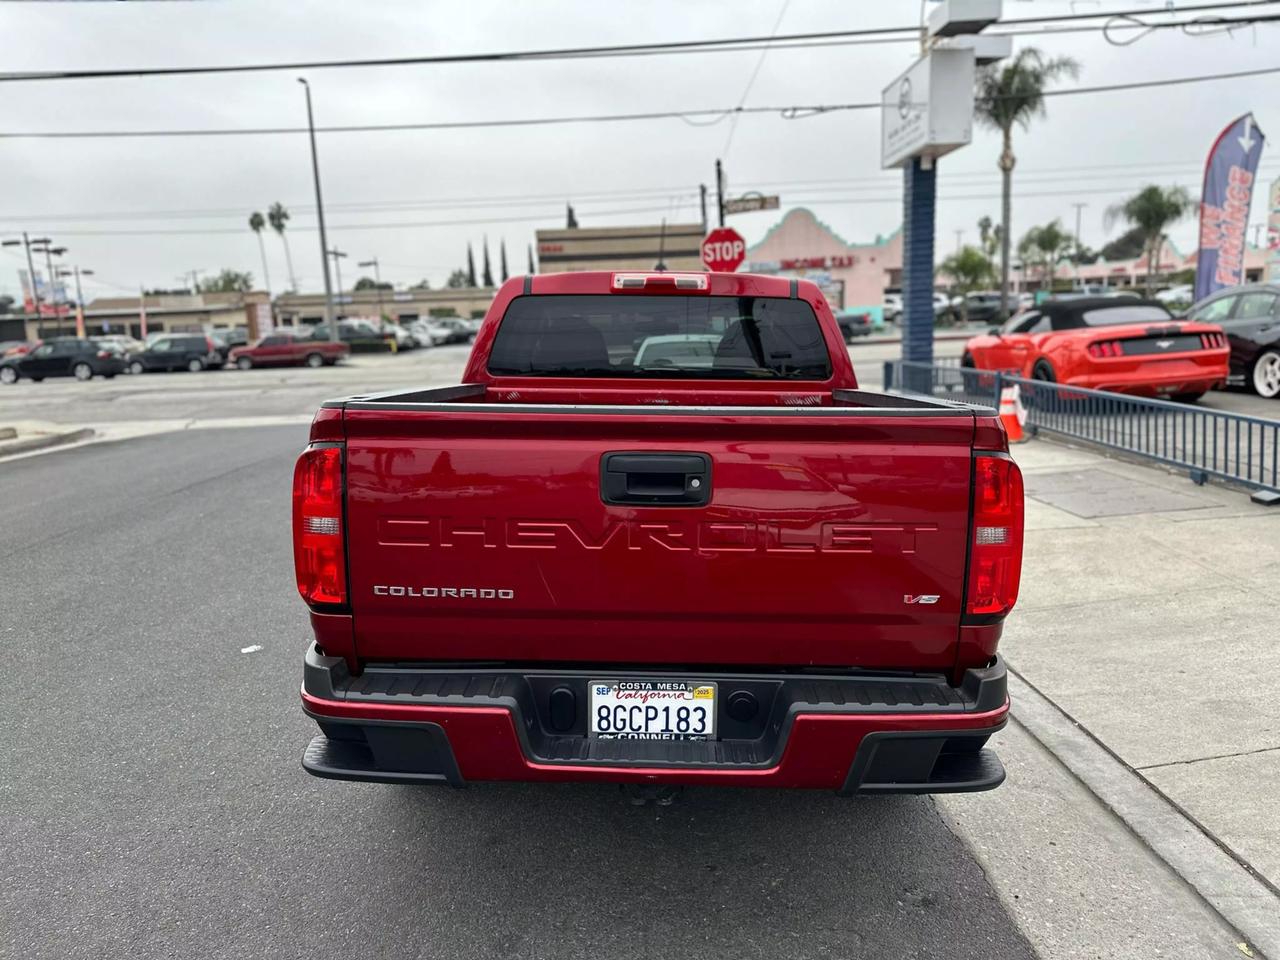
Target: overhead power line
[790,113]
[905,33]
[1129,173]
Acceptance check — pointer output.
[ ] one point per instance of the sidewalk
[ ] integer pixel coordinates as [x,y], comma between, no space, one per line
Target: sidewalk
[1148,613]
[27,436]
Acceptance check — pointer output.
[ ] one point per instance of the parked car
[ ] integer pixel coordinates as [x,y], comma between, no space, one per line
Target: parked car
[746,572]
[357,333]
[125,344]
[177,351]
[1250,317]
[853,324]
[10,348]
[64,357]
[981,306]
[428,333]
[288,349]
[1106,343]
[459,330]
[892,307]
[227,339]
[1180,295]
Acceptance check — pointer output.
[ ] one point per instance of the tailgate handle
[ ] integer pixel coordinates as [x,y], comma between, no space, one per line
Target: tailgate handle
[656,479]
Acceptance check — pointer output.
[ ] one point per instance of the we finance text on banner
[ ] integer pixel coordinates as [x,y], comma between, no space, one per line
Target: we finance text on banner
[1224,205]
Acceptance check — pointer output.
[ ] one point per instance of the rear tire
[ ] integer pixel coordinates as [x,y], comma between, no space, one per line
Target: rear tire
[8,375]
[244,363]
[136,367]
[967,361]
[1043,371]
[315,361]
[82,372]
[195,365]
[1265,378]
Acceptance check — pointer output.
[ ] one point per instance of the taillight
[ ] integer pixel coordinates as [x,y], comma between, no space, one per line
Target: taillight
[1105,348]
[319,555]
[995,556]
[1213,341]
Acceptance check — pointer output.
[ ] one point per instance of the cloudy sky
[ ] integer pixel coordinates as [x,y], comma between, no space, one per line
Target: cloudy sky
[146,211]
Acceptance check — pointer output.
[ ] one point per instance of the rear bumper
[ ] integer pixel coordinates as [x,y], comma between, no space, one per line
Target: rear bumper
[1154,378]
[854,734]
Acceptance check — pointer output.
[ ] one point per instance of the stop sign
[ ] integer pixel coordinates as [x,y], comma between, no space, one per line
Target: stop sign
[724,250]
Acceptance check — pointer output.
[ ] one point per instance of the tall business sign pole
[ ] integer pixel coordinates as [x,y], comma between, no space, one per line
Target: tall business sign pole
[1229,175]
[926,113]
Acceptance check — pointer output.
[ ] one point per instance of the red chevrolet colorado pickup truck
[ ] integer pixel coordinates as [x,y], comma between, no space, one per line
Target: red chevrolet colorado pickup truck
[657,536]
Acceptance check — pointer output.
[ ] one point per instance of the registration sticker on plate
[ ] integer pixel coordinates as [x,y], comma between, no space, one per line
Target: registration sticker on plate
[653,710]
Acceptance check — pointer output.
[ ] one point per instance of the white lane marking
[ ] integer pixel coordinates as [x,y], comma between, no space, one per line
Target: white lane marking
[252,648]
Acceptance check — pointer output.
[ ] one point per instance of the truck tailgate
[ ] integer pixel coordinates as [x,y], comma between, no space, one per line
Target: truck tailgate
[834,539]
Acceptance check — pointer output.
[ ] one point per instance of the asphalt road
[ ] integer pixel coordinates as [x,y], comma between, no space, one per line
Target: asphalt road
[152,803]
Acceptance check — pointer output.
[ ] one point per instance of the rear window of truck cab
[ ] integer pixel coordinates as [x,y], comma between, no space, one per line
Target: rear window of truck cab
[660,336]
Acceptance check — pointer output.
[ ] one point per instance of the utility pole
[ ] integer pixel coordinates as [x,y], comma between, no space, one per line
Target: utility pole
[31,270]
[720,191]
[337,266]
[1079,207]
[324,243]
[377,279]
[702,188]
[49,251]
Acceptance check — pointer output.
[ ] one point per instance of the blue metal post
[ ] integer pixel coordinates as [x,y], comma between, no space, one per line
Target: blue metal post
[919,196]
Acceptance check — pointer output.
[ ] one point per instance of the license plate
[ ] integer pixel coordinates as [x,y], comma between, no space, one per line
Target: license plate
[653,710]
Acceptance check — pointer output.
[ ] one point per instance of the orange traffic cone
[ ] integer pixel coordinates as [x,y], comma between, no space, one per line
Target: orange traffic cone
[1012,413]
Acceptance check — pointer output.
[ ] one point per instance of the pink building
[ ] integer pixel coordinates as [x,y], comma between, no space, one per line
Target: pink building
[850,274]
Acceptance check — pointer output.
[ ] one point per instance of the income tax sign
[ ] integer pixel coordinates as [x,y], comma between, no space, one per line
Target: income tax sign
[724,250]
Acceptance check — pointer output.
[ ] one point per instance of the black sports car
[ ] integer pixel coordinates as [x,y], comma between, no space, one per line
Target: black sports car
[1250,317]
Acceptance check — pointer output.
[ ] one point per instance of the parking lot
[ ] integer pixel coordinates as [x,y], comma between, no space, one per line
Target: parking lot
[295,391]
[163,812]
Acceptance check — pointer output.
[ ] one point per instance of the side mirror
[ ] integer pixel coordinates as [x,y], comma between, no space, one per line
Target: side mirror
[994,332]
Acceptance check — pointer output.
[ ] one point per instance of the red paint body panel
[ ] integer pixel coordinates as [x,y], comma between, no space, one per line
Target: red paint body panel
[1066,351]
[818,754]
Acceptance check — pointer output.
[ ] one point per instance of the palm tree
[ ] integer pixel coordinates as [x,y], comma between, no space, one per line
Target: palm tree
[969,269]
[1150,211]
[256,223]
[1046,246]
[1008,96]
[278,217]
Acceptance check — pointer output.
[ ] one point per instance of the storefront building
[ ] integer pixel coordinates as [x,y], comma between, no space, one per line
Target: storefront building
[853,276]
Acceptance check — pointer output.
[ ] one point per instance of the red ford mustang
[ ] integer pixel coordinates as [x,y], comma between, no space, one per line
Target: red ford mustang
[1107,343]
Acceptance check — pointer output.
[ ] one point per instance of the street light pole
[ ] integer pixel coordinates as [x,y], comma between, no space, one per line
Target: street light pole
[324,243]
[76,271]
[377,279]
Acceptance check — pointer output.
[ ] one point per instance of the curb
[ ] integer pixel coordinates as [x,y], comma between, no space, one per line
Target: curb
[1226,882]
[44,442]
